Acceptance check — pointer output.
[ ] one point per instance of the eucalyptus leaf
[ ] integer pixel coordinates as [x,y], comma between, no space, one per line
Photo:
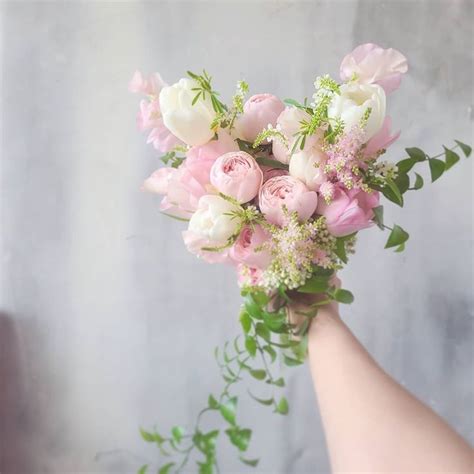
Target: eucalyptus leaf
[228,410]
[282,406]
[378,216]
[418,182]
[437,168]
[451,158]
[397,237]
[466,149]
[416,153]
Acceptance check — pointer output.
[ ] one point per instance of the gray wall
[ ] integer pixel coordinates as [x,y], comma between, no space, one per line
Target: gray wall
[107,323]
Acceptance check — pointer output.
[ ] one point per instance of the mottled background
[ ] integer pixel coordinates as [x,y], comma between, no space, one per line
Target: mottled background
[106,322]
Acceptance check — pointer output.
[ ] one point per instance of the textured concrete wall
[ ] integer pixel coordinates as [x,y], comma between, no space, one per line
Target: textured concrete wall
[106,322]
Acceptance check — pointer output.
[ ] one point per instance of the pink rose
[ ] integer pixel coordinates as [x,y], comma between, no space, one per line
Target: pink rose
[289,192]
[375,65]
[259,111]
[382,139]
[243,251]
[349,211]
[237,174]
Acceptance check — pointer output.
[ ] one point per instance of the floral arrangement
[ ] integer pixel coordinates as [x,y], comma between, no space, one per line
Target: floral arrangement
[278,189]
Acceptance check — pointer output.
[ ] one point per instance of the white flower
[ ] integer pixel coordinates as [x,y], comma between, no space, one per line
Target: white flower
[352,104]
[190,123]
[308,166]
[214,221]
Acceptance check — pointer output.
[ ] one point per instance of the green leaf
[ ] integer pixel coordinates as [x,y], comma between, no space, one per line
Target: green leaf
[262,401]
[392,192]
[251,345]
[400,248]
[294,103]
[416,153]
[228,409]
[418,182]
[143,469]
[264,161]
[212,402]
[378,216]
[263,332]
[279,382]
[403,182]
[151,437]
[260,297]
[196,97]
[254,310]
[397,237]
[451,158]
[290,361]
[250,462]
[466,149]
[178,432]
[239,437]
[341,249]
[436,169]
[343,296]
[315,284]
[282,406]
[258,374]
[274,321]
[271,352]
[406,165]
[245,321]
[166,468]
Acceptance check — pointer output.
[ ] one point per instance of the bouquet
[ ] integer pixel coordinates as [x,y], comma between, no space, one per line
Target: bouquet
[279,190]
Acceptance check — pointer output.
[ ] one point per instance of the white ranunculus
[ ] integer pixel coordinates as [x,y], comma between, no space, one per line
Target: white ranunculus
[308,166]
[353,102]
[213,221]
[190,123]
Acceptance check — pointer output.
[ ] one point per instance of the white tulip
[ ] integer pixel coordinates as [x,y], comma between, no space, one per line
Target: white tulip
[214,221]
[308,166]
[352,104]
[190,123]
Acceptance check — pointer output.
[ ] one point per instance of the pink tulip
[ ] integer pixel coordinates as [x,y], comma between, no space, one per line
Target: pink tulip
[382,139]
[372,64]
[244,249]
[237,174]
[259,111]
[349,211]
[289,192]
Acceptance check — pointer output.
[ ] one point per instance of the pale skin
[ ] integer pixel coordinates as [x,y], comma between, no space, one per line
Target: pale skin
[371,423]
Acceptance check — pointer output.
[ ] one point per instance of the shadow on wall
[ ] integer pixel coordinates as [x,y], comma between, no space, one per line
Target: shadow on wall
[16,420]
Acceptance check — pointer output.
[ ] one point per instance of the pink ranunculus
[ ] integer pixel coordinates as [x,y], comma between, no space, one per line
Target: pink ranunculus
[269,172]
[372,64]
[244,249]
[259,111]
[289,192]
[191,180]
[349,211]
[382,139]
[237,174]
[150,86]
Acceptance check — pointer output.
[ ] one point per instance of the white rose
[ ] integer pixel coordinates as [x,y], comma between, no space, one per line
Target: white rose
[353,102]
[190,123]
[308,166]
[213,221]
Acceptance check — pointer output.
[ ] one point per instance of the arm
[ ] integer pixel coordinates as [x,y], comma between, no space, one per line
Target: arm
[372,424]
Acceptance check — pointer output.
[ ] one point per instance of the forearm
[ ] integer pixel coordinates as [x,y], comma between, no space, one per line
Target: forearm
[371,422]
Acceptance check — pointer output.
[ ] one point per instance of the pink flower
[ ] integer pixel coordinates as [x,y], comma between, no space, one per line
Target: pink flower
[150,86]
[374,65]
[269,172]
[161,138]
[382,140]
[349,211]
[288,192]
[259,111]
[244,249]
[237,174]
[183,187]
[248,276]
